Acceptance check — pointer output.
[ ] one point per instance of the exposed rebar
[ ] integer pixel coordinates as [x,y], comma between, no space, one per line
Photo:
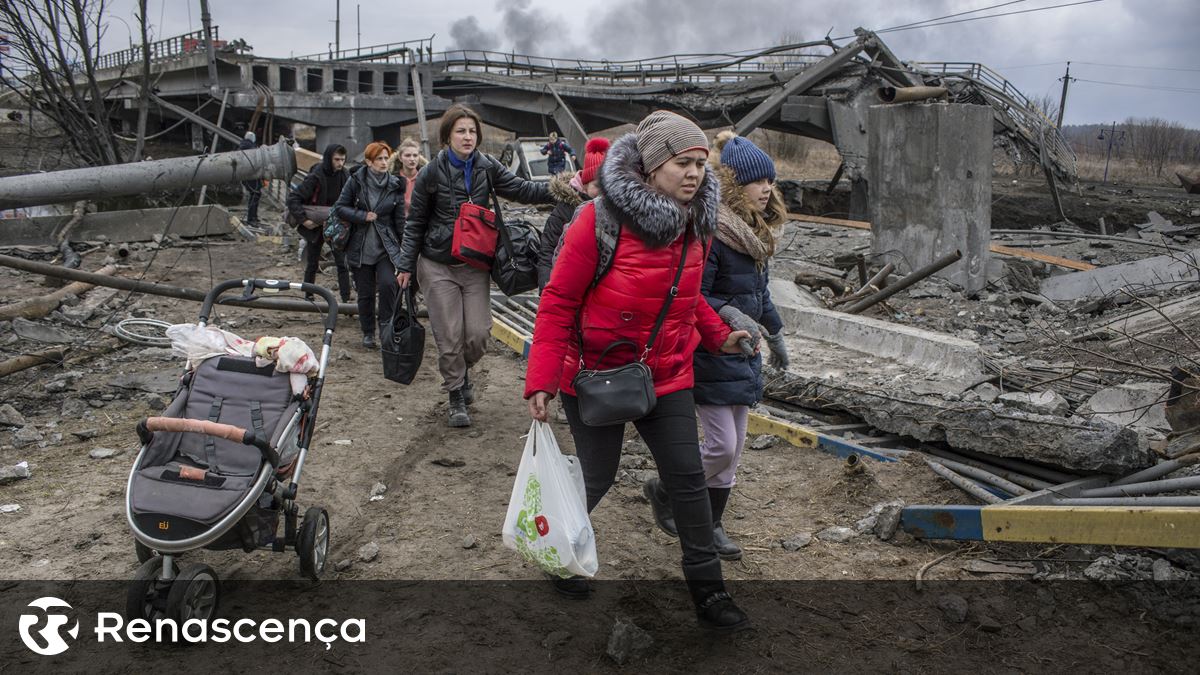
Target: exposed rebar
[908,280]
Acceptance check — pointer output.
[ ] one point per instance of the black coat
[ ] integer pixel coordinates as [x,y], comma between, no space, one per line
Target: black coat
[732,278]
[321,187]
[351,207]
[437,196]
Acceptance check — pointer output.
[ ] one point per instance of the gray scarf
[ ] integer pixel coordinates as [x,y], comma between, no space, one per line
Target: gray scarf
[376,183]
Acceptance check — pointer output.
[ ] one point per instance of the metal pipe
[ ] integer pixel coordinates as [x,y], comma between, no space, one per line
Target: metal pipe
[1007,474]
[1153,473]
[983,476]
[906,94]
[1147,488]
[1055,477]
[964,484]
[268,161]
[1130,501]
[908,280]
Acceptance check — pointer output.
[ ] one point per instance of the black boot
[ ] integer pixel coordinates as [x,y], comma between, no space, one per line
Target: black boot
[660,505]
[716,611]
[575,587]
[368,341]
[726,548]
[468,390]
[458,410]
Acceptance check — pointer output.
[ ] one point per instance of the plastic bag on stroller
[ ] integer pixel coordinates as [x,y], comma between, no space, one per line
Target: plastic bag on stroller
[547,520]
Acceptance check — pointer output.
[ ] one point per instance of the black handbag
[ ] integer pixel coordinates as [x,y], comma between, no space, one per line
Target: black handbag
[515,266]
[402,341]
[625,393]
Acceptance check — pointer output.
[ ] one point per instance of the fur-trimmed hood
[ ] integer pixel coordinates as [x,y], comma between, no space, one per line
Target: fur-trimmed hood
[561,190]
[656,218]
[733,199]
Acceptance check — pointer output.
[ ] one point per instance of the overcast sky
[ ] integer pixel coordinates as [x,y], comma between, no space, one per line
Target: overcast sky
[1137,41]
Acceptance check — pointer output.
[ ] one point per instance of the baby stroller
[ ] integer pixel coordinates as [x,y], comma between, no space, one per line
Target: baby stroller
[218,468]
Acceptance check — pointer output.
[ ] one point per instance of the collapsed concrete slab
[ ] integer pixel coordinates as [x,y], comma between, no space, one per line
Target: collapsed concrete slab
[121,226]
[1094,446]
[1155,272]
[1140,405]
[947,356]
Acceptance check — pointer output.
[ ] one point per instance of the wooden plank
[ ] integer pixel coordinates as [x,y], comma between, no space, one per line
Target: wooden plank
[1168,527]
[995,248]
[1043,257]
[306,159]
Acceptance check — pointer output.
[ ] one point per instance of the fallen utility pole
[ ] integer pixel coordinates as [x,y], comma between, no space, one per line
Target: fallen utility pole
[150,288]
[909,280]
[268,161]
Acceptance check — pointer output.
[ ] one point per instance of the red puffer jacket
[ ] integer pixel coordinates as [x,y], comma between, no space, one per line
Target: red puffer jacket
[626,302]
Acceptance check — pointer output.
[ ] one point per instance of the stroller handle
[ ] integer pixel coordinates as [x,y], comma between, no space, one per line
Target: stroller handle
[270,285]
[148,426]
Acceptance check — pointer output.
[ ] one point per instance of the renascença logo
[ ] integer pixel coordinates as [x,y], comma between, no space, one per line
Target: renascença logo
[52,642]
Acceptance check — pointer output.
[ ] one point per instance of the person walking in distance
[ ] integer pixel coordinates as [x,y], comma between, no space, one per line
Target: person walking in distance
[321,187]
[557,149]
[254,186]
[658,211]
[456,294]
[749,222]
[373,203]
[406,163]
[571,190]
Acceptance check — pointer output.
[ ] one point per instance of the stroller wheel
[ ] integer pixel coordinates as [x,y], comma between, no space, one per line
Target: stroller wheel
[194,594]
[314,542]
[147,594]
[144,552]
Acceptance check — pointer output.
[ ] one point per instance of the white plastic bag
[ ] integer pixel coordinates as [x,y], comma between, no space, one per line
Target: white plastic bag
[197,343]
[547,521]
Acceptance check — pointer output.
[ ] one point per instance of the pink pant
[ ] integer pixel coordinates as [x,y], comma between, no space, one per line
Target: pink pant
[724,438]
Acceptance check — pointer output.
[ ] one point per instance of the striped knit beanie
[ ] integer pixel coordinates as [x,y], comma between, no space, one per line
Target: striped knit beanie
[595,151]
[662,135]
[748,162]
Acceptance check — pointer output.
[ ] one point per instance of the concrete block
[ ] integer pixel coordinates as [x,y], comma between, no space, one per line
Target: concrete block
[1140,405]
[930,172]
[1097,283]
[937,353]
[122,226]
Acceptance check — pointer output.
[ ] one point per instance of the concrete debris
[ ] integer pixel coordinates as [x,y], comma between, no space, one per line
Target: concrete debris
[882,518]
[10,508]
[27,435]
[1121,567]
[470,541]
[16,472]
[954,608]
[377,492]
[1140,405]
[1039,403]
[1137,277]
[105,453]
[368,552]
[154,383]
[988,625]
[1073,443]
[31,330]
[1163,570]
[987,392]
[9,417]
[837,534]
[85,434]
[557,638]
[627,641]
[764,441]
[343,565]
[797,541]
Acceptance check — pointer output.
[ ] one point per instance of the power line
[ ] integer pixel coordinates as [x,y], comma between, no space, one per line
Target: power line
[1178,90]
[989,16]
[951,16]
[1120,65]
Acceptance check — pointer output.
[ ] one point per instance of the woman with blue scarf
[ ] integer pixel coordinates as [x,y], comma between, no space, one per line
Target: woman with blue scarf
[457,295]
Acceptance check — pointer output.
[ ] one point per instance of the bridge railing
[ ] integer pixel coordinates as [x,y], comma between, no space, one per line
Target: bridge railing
[172,46]
[679,68]
[1030,119]
[409,51]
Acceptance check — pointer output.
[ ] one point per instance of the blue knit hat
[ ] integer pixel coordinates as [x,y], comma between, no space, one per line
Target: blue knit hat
[748,162]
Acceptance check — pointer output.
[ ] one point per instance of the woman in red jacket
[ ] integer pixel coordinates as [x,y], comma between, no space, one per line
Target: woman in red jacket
[658,196]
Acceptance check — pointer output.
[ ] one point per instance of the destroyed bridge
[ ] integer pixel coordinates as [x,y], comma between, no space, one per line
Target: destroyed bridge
[820,89]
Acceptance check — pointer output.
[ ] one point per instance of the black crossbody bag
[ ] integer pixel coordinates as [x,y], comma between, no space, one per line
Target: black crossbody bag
[625,393]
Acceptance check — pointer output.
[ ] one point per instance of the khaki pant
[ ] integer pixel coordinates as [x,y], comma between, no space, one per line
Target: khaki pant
[460,314]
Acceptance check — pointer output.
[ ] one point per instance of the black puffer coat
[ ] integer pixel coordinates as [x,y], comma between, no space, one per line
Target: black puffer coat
[441,190]
[351,207]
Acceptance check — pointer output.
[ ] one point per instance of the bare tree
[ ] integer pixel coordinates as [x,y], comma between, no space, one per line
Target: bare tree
[55,45]
[144,94]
